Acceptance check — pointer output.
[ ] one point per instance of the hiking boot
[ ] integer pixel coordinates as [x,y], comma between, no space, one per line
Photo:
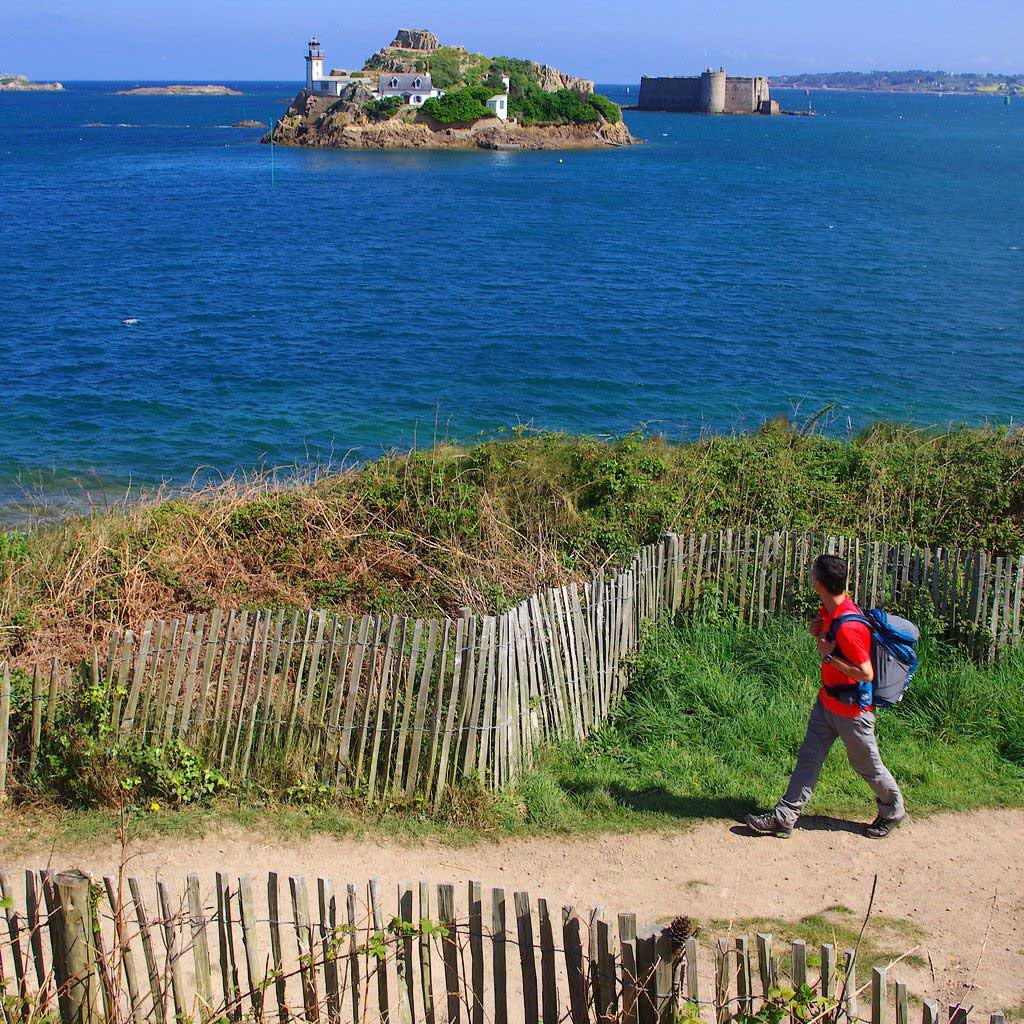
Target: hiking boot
[768,825]
[882,828]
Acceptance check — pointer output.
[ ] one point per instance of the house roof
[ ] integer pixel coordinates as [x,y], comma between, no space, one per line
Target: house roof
[405,83]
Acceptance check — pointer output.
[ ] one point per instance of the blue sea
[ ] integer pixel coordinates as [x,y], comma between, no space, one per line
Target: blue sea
[179,302]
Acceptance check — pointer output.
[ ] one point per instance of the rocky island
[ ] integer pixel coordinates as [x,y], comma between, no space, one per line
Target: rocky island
[19,83]
[180,90]
[417,94]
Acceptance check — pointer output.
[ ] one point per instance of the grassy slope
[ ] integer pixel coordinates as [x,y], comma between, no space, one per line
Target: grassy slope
[713,720]
[708,729]
[484,525]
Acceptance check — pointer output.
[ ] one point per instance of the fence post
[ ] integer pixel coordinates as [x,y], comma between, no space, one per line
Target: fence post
[5,727]
[879,985]
[78,952]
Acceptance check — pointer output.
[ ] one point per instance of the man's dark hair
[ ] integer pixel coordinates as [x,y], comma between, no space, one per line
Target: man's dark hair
[831,572]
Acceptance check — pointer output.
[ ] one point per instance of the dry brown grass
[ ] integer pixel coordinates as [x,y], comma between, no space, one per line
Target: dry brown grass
[433,531]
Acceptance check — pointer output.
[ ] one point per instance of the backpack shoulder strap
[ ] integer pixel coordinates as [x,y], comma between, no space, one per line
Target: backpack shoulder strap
[842,620]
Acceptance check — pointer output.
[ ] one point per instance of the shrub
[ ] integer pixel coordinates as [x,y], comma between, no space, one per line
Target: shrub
[567,106]
[83,763]
[611,112]
[382,110]
[461,106]
[522,74]
[445,67]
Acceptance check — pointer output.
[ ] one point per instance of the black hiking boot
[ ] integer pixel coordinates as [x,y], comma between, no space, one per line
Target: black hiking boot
[768,825]
[882,828]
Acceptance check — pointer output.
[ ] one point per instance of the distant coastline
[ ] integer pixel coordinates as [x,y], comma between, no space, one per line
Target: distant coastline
[925,83]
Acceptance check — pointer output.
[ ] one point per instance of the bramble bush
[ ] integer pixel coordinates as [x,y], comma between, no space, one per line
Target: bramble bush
[488,523]
[83,763]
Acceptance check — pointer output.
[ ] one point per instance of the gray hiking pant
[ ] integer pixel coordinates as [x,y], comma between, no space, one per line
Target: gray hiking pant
[858,736]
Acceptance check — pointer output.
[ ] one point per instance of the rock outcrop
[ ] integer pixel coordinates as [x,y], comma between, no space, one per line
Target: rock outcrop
[413,49]
[315,122]
[551,80]
[416,39]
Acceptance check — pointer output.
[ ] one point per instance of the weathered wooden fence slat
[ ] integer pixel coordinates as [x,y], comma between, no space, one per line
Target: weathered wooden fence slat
[373,961]
[410,707]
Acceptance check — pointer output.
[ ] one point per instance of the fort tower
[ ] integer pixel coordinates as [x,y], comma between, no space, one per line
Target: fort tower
[711,92]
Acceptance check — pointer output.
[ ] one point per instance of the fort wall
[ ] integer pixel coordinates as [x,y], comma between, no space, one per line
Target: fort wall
[710,93]
[673,95]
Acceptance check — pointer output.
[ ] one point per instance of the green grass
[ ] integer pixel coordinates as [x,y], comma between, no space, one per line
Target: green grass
[711,725]
[708,729]
[885,937]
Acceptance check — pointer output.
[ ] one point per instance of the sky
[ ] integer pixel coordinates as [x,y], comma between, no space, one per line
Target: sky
[225,40]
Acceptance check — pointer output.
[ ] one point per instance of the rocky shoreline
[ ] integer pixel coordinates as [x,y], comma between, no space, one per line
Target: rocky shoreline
[316,123]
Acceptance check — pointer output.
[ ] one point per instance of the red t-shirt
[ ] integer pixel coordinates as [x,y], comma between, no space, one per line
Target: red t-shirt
[853,644]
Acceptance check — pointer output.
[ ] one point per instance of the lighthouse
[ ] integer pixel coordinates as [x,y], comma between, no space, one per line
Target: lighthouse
[314,62]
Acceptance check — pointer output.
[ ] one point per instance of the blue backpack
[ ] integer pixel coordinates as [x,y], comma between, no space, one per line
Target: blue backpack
[893,653]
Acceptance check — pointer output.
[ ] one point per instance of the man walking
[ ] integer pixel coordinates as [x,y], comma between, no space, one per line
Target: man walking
[843,711]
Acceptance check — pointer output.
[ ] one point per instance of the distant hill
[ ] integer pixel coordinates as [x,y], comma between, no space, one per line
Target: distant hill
[907,81]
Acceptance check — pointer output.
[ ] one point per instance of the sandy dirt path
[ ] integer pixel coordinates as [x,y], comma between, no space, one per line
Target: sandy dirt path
[958,877]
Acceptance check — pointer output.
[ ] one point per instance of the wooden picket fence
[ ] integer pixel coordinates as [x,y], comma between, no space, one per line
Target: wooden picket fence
[389,707]
[114,952]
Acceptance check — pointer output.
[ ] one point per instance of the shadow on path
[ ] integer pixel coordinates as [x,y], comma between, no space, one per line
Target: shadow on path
[659,800]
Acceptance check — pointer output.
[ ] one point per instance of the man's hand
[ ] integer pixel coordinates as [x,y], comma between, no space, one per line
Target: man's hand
[825,647]
[816,625]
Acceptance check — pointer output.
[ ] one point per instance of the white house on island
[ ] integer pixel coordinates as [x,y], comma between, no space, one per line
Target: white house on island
[413,89]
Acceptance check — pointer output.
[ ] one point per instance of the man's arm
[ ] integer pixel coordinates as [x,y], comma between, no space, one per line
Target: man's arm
[862,671]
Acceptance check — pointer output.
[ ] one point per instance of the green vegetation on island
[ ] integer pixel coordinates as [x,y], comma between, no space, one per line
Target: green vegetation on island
[907,81]
[381,110]
[460,106]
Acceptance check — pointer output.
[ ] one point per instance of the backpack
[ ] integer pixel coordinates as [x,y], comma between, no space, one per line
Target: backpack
[893,653]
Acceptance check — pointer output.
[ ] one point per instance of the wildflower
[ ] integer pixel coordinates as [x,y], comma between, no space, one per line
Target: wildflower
[154,806]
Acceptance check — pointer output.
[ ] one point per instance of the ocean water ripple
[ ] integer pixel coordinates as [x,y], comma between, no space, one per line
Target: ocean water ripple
[174,297]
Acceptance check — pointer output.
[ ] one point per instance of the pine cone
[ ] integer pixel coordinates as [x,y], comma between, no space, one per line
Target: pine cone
[680,929]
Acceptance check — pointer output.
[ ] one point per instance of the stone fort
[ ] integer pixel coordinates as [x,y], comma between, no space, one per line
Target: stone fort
[712,92]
